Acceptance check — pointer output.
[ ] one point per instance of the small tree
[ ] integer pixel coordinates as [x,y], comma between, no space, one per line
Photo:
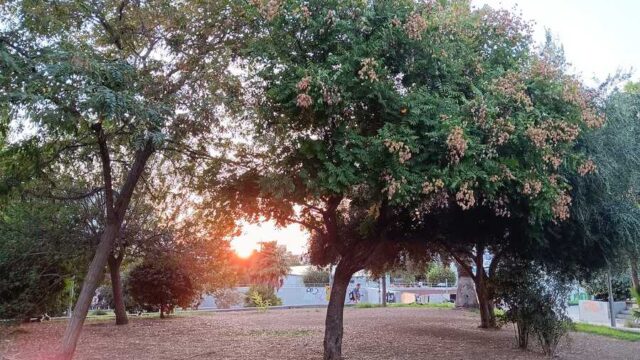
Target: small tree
[439,273]
[535,302]
[269,265]
[162,283]
[262,296]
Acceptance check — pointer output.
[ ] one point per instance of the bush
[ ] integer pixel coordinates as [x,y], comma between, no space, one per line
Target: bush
[534,302]
[599,287]
[226,298]
[313,277]
[439,274]
[261,296]
[162,283]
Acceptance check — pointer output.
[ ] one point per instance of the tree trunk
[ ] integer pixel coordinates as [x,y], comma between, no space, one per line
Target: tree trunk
[89,286]
[161,311]
[635,280]
[116,286]
[335,311]
[485,300]
[466,290]
[115,215]
[487,316]
[384,290]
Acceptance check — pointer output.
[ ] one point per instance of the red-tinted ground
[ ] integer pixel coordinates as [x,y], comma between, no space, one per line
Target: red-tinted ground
[394,333]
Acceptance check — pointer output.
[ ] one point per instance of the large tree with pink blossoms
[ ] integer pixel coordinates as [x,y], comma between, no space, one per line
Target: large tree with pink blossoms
[380,125]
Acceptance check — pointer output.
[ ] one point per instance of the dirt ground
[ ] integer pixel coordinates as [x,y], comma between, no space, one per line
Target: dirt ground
[394,333]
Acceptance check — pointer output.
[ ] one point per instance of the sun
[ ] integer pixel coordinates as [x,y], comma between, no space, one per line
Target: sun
[293,237]
[243,249]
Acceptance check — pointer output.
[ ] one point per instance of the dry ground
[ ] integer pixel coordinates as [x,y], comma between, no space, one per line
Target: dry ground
[394,333]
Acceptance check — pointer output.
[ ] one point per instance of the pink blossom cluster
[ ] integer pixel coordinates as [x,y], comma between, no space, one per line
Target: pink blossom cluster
[502,130]
[560,208]
[368,69]
[429,187]
[415,25]
[573,93]
[457,144]
[393,185]
[303,99]
[512,86]
[399,147]
[465,197]
[552,159]
[587,167]
[269,9]
[532,187]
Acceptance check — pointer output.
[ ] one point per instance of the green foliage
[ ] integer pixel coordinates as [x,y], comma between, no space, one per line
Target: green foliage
[607,331]
[438,273]
[315,277]
[262,297]
[162,283]
[598,286]
[534,302]
[41,248]
[270,265]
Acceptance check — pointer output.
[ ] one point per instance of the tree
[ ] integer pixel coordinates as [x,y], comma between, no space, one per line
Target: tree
[535,301]
[269,265]
[440,273]
[373,119]
[105,85]
[162,283]
[41,250]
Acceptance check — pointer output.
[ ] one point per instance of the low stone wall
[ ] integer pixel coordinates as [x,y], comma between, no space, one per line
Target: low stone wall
[598,311]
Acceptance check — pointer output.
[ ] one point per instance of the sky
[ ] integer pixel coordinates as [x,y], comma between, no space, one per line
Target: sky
[599,37]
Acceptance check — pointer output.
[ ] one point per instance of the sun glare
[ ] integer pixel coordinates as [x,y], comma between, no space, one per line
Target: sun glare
[293,237]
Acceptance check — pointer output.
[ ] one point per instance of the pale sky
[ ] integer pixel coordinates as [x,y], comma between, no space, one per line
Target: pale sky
[599,37]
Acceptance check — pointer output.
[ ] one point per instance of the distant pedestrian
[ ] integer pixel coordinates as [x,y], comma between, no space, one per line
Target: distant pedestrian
[357,294]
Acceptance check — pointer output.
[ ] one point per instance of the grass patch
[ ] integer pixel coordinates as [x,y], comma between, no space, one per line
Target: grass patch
[607,331]
[281,333]
[412,305]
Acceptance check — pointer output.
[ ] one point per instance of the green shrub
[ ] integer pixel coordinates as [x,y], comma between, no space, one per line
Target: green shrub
[439,274]
[99,312]
[262,297]
[599,287]
[534,302]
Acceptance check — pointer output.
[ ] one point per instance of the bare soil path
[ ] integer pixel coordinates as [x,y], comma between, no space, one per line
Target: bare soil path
[393,333]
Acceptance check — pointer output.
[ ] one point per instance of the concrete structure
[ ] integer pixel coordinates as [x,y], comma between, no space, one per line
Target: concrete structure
[598,311]
[294,292]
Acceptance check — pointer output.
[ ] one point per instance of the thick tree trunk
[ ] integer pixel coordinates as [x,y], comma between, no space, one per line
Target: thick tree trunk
[89,286]
[466,290]
[116,286]
[635,280]
[335,311]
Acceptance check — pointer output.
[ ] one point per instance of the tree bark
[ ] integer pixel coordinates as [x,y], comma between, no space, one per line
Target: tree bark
[116,286]
[115,215]
[487,314]
[89,286]
[335,310]
[485,300]
[466,296]
[384,290]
